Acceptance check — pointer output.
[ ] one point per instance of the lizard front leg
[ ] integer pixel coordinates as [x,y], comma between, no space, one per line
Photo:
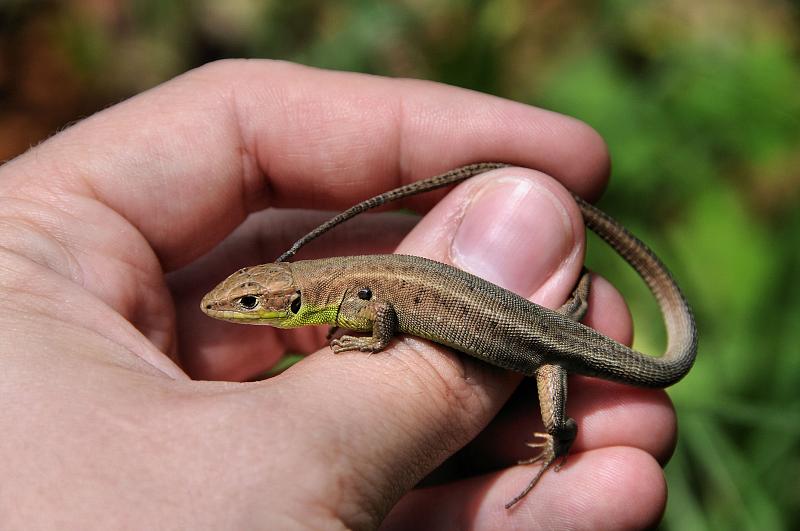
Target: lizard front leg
[384,327]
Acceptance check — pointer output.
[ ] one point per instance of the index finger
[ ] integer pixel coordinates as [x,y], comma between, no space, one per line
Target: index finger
[199,153]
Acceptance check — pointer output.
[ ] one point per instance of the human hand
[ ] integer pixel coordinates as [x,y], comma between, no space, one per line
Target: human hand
[102,425]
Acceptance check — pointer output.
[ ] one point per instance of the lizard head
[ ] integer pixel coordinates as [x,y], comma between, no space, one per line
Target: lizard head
[263,294]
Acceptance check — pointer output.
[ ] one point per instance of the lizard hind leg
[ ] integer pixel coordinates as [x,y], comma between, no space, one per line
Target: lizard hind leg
[578,303]
[551,382]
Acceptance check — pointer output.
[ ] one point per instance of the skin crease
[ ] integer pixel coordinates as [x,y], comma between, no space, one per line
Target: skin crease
[104,424]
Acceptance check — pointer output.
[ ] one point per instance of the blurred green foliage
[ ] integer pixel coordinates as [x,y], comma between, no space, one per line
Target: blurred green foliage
[700,105]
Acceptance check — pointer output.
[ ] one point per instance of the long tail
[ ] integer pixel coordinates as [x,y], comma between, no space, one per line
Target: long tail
[678,318]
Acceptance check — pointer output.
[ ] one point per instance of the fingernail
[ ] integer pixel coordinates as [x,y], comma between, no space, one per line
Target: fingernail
[514,233]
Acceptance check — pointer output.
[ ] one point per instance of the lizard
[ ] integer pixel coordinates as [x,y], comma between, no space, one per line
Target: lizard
[389,294]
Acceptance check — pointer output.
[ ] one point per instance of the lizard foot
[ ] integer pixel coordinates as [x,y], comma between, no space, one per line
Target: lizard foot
[347,343]
[547,456]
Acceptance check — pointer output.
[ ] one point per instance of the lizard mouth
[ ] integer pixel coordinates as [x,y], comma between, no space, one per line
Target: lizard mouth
[238,316]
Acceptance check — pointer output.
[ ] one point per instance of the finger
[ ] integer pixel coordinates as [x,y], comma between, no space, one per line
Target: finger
[518,228]
[217,350]
[608,311]
[195,155]
[411,405]
[609,488]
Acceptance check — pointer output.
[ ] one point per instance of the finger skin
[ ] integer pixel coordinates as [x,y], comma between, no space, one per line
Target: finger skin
[211,146]
[593,492]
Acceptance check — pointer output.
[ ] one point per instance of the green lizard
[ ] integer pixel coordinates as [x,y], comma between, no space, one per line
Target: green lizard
[391,294]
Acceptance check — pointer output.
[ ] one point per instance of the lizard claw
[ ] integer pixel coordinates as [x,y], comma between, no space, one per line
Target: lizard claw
[548,449]
[561,463]
[547,440]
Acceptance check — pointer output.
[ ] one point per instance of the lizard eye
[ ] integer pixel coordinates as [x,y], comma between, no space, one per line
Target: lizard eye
[248,302]
[295,307]
[365,294]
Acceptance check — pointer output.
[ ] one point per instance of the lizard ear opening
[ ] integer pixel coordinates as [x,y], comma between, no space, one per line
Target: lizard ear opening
[295,307]
[365,294]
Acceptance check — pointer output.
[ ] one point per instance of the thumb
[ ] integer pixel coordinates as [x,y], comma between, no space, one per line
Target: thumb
[514,227]
[381,422]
